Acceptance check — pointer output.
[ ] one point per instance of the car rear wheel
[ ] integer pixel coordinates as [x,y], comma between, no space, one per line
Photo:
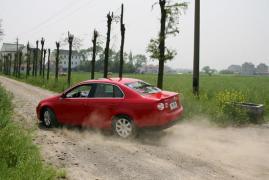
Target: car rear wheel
[124,127]
[48,118]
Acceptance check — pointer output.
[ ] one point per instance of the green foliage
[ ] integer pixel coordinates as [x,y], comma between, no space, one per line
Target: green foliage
[153,50]
[19,158]
[227,108]
[208,70]
[173,11]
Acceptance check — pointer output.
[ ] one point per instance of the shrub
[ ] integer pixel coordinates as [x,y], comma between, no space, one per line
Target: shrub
[228,111]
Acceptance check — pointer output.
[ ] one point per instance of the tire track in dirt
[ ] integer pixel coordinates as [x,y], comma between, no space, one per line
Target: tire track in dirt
[177,153]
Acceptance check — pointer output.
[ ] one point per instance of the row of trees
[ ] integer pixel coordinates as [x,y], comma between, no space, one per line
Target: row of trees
[131,63]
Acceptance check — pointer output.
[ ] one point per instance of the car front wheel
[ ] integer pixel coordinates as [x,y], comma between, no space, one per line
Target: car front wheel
[124,127]
[49,119]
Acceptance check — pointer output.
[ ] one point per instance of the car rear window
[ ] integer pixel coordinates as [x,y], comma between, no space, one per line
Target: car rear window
[143,87]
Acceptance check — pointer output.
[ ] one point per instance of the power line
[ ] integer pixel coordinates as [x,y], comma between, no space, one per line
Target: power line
[51,18]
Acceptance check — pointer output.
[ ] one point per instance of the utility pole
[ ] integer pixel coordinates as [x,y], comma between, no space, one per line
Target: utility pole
[196,58]
[57,60]
[41,58]
[122,29]
[94,41]
[48,69]
[109,21]
[70,41]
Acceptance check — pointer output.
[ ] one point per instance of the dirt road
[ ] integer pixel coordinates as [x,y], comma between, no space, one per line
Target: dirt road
[189,150]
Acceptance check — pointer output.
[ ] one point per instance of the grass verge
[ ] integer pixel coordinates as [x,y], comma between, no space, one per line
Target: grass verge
[19,157]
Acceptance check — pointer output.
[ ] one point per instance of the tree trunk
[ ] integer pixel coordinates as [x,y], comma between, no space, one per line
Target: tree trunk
[122,29]
[57,61]
[48,69]
[10,64]
[36,57]
[4,64]
[95,35]
[162,44]
[196,57]
[43,66]
[1,65]
[28,61]
[109,21]
[19,65]
[43,63]
[41,58]
[70,41]
[33,61]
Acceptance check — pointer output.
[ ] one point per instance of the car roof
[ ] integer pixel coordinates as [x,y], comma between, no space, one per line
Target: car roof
[114,80]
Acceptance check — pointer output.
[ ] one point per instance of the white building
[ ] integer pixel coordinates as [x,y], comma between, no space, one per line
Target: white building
[262,69]
[248,69]
[235,69]
[76,59]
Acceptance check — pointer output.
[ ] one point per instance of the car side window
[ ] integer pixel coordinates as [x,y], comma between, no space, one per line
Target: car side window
[82,91]
[107,90]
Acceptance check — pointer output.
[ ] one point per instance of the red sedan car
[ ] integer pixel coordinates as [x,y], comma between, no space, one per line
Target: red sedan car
[121,104]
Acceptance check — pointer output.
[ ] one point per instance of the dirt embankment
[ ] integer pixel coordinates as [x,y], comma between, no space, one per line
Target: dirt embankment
[193,150]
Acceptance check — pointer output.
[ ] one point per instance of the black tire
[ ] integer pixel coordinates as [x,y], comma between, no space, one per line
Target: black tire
[48,118]
[124,127]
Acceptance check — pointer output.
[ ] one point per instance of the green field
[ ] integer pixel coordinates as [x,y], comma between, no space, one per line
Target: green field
[255,89]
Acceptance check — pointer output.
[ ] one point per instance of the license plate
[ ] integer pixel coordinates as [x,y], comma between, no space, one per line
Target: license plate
[173,105]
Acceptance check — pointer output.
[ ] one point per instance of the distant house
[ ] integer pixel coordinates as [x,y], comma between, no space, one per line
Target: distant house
[262,69]
[10,49]
[76,59]
[236,69]
[248,69]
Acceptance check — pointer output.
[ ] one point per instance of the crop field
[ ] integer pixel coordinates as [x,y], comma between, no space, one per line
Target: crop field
[212,88]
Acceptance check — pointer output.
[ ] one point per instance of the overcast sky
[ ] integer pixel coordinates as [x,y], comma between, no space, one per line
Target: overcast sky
[232,31]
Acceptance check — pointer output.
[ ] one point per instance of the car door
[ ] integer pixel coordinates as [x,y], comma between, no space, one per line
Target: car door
[73,105]
[103,104]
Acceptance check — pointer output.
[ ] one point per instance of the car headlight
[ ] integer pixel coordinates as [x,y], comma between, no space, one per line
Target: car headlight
[160,106]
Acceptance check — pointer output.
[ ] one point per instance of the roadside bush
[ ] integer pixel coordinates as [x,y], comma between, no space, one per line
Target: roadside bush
[228,111]
[19,157]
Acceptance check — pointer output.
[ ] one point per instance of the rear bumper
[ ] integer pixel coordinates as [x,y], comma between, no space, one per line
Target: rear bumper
[164,120]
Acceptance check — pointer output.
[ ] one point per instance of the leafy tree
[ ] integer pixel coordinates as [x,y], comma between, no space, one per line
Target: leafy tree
[208,70]
[139,60]
[170,14]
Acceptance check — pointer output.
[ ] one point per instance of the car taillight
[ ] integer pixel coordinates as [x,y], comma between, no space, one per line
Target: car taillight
[160,106]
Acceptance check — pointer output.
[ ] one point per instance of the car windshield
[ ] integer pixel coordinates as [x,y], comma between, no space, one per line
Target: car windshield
[143,88]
